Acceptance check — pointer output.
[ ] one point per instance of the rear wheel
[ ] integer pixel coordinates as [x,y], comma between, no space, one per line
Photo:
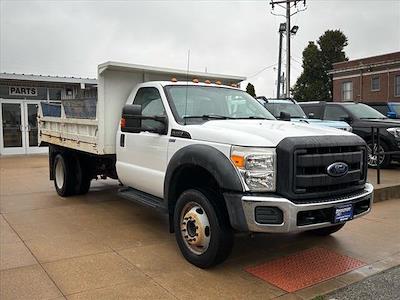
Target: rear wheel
[64,175]
[202,230]
[83,177]
[327,230]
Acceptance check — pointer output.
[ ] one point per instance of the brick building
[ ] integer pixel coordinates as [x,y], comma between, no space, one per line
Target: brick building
[371,79]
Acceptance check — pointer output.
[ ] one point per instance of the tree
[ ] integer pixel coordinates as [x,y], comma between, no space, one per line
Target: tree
[251,90]
[332,44]
[314,82]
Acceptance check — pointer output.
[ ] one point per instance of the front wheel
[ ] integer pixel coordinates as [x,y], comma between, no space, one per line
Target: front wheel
[202,230]
[384,159]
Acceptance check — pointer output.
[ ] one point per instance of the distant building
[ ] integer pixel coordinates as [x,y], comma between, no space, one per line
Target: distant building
[20,96]
[371,79]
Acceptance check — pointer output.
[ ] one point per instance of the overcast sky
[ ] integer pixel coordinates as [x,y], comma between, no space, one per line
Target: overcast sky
[71,38]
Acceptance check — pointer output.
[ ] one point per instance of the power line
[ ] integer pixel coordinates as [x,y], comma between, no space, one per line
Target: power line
[262,70]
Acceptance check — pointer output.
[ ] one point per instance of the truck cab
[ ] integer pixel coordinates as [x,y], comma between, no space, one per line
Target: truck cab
[211,157]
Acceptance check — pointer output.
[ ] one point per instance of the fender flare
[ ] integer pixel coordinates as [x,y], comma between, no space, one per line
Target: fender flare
[207,157]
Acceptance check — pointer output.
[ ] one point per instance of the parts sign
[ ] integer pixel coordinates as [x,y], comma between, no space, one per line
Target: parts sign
[22,91]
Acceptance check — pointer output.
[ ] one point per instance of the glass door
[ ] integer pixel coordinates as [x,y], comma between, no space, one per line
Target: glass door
[12,137]
[31,128]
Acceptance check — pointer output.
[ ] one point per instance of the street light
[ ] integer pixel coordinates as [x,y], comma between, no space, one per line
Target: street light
[294,29]
[282,27]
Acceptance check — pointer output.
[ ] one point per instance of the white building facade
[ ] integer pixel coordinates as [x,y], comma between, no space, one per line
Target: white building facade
[20,96]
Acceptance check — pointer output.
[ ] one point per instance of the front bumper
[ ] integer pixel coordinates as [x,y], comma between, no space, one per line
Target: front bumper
[242,213]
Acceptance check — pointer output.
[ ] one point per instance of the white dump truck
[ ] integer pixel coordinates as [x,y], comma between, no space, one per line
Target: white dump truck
[206,153]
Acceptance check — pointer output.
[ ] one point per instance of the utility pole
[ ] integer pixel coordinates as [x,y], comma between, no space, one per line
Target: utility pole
[282,28]
[288,49]
[288,5]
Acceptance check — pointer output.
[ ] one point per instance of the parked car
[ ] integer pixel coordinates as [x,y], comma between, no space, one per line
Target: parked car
[389,109]
[210,156]
[362,118]
[296,114]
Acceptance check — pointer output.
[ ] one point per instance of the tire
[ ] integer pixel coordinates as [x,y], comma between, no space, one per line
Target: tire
[64,175]
[201,246]
[327,230]
[83,177]
[384,160]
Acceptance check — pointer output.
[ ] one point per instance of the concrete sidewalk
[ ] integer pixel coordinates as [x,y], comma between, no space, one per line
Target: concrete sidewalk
[98,246]
[383,286]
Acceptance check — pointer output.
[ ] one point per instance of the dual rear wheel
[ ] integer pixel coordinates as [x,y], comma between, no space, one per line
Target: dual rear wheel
[71,175]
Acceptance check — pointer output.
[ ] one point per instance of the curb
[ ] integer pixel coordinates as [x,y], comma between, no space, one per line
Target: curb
[386,193]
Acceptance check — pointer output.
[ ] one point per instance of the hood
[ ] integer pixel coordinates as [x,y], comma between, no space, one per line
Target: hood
[382,122]
[328,123]
[256,133]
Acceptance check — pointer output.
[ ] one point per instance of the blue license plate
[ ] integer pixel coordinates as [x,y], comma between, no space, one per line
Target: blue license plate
[343,213]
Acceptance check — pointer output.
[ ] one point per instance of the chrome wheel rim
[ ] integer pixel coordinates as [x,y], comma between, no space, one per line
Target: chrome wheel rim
[373,159]
[195,228]
[59,174]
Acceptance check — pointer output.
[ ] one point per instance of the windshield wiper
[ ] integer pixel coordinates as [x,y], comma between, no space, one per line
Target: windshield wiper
[207,117]
[373,118]
[251,118]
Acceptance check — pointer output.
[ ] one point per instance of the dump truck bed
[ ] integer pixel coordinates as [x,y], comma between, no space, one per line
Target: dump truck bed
[90,125]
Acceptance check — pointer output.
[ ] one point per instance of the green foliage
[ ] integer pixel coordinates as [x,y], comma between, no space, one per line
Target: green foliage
[314,82]
[251,90]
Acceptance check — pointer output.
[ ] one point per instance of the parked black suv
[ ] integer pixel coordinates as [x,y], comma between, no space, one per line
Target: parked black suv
[362,118]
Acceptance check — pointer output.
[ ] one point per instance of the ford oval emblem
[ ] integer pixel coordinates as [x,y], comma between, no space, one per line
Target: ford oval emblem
[337,169]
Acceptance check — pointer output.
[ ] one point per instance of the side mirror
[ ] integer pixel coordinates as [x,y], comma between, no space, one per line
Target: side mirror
[311,115]
[131,120]
[284,116]
[348,120]
[134,122]
[392,115]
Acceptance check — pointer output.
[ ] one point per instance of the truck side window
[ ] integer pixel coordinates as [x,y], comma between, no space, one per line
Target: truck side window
[150,100]
[335,113]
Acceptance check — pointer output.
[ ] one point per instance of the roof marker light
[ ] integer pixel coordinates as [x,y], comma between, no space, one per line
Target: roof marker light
[173,79]
[207,81]
[218,82]
[195,80]
[234,85]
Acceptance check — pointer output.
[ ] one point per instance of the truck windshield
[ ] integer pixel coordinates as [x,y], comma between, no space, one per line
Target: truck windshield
[197,104]
[363,111]
[293,109]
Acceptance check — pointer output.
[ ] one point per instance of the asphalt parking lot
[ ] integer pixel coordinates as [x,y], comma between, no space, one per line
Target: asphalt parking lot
[99,246]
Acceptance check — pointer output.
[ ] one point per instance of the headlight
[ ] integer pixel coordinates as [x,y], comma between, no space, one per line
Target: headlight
[395,131]
[256,167]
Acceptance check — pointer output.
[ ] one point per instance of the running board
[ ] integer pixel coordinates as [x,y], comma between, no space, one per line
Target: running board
[142,198]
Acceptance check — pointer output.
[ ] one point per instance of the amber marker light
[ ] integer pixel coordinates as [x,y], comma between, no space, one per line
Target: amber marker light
[218,82]
[123,123]
[238,161]
[207,81]
[173,79]
[195,80]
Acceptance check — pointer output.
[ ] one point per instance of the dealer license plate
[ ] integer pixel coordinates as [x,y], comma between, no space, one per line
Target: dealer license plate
[343,213]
